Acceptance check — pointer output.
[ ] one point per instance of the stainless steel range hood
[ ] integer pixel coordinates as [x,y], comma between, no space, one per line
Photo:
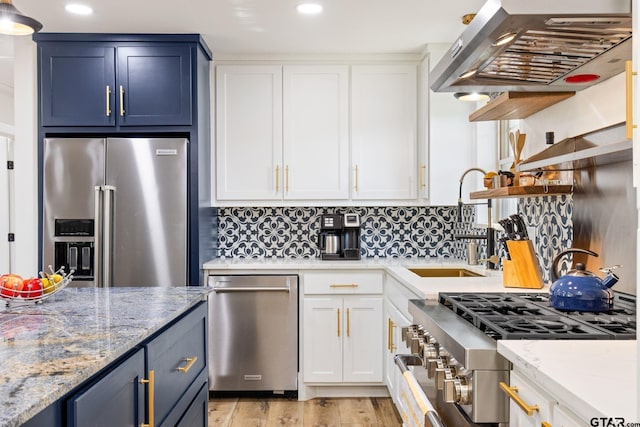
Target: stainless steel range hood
[553,40]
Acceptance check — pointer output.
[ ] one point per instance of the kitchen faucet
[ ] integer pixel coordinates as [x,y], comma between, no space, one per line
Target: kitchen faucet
[490,237]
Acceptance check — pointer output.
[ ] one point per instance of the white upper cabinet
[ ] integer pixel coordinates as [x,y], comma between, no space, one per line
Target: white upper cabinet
[383,132]
[316,132]
[282,134]
[248,132]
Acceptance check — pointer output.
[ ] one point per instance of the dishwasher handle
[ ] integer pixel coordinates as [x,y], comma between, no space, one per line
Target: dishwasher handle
[221,289]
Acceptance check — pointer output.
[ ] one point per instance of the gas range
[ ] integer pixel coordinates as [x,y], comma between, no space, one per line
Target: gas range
[455,338]
[530,316]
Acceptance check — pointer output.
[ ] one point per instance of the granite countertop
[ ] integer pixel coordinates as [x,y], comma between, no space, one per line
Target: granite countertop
[593,378]
[50,348]
[398,268]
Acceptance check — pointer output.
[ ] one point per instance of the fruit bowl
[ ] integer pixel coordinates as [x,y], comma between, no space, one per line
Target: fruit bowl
[15,290]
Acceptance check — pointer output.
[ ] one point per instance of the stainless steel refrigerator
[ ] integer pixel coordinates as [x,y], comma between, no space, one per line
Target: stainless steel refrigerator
[115,210]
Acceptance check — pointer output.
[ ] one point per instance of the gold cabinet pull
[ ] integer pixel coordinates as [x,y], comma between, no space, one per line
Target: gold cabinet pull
[121,100]
[423,169]
[348,324]
[190,361]
[338,322]
[390,336]
[108,96]
[150,398]
[343,285]
[629,73]
[512,392]
[545,424]
[277,178]
[286,183]
[389,322]
[357,179]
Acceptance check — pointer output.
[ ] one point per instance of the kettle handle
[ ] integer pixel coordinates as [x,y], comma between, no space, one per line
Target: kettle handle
[556,260]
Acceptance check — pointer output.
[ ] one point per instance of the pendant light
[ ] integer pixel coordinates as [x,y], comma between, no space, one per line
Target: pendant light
[14,23]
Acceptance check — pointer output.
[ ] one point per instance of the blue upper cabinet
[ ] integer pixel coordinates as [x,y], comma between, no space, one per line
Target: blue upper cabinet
[107,84]
[154,85]
[77,83]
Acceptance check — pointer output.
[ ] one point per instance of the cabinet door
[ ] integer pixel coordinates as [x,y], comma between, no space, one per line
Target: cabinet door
[383,132]
[323,320]
[316,132]
[77,84]
[177,356]
[394,322]
[363,336]
[115,400]
[249,133]
[197,413]
[154,85]
[562,417]
[531,395]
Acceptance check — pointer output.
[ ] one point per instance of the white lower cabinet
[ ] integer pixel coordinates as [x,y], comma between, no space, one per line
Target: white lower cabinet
[394,322]
[531,396]
[343,334]
[545,410]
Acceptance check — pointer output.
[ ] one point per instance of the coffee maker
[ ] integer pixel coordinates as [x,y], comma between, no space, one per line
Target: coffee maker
[339,237]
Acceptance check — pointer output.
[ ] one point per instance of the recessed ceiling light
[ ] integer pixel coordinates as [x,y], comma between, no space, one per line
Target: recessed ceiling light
[309,8]
[79,9]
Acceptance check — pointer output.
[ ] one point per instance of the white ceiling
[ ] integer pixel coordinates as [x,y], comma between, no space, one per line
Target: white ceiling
[266,26]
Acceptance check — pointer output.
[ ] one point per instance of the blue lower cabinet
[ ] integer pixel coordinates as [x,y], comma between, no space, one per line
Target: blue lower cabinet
[196,414]
[117,399]
[120,394]
[178,359]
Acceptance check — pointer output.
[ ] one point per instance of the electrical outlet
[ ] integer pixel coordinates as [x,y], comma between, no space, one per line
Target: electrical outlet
[532,232]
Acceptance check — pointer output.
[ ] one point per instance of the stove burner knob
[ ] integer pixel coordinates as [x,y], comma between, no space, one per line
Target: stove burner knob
[429,351]
[432,365]
[444,374]
[457,390]
[416,344]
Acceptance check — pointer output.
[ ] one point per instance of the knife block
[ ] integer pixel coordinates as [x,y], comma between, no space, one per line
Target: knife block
[523,269]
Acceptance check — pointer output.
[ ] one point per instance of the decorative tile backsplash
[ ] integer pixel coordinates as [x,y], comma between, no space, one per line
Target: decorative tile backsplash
[386,231]
[422,231]
[551,216]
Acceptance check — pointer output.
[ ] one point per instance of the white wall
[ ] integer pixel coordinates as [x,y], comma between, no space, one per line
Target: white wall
[588,110]
[6,104]
[25,157]
[452,142]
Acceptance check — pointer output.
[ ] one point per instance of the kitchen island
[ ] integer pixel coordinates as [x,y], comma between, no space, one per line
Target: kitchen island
[50,350]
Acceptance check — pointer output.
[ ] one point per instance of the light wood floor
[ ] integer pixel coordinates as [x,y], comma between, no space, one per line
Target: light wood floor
[352,412]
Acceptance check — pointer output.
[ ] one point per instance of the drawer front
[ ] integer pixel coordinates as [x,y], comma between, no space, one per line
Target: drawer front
[338,282]
[171,357]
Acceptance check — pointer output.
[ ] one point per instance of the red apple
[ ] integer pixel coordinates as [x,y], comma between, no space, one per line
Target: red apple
[32,288]
[10,285]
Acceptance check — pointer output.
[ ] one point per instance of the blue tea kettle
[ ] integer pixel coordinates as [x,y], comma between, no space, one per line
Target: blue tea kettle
[579,289]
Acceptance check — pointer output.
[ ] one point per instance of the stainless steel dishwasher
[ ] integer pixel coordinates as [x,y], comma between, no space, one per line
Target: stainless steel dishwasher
[253,333]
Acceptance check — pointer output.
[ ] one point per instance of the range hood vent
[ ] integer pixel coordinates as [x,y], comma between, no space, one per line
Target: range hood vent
[541,45]
[608,145]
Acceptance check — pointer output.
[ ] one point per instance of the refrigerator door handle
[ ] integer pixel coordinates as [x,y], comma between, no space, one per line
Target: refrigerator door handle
[98,232]
[107,237]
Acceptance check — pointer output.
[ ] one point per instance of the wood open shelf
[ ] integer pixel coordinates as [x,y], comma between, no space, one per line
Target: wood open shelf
[517,105]
[527,191]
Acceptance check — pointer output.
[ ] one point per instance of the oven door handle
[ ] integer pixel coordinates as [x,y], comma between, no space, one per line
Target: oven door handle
[403,361]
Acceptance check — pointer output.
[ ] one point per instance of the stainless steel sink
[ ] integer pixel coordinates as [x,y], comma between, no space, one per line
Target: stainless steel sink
[444,272]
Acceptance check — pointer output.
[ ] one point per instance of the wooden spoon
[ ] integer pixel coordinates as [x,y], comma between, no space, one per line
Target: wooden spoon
[520,146]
